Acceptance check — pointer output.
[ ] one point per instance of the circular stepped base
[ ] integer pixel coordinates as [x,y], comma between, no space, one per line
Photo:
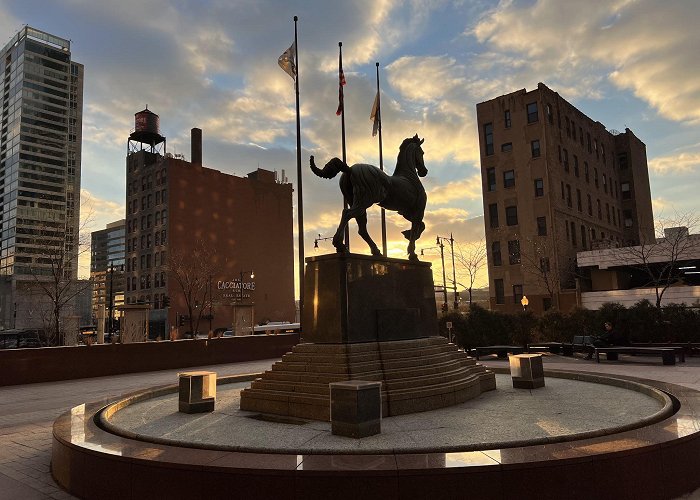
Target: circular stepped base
[416,375]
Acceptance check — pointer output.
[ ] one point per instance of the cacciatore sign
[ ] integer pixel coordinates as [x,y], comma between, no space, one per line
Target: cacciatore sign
[235,285]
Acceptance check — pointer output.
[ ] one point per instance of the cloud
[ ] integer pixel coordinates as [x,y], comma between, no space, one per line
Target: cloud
[683,162]
[648,47]
[469,188]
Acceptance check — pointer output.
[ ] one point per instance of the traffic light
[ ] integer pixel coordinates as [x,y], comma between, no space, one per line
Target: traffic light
[166,301]
[182,321]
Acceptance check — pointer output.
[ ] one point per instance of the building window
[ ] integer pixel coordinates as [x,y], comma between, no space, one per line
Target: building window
[590,205]
[493,215]
[595,147]
[568,127]
[613,217]
[500,293]
[573,130]
[602,153]
[517,293]
[566,160]
[506,118]
[583,236]
[628,218]
[568,196]
[626,193]
[573,233]
[605,184]
[607,212]
[566,226]
[576,172]
[580,134]
[550,117]
[544,264]
[509,178]
[622,161]
[600,212]
[563,193]
[585,170]
[539,187]
[488,138]
[578,200]
[588,139]
[546,303]
[491,179]
[514,252]
[496,253]
[541,226]
[512,216]
[532,112]
[595,176]
[506,147]
[559,148]
[535,148]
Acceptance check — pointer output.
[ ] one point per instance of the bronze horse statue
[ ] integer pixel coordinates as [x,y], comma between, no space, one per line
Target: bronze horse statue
[364,185]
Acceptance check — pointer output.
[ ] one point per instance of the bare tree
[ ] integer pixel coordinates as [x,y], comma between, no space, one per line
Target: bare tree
[54,273]
[471,259]
[659,260]
[192,271]
[537,259]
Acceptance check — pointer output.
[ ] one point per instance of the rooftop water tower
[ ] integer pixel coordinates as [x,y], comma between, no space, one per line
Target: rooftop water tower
[146,134]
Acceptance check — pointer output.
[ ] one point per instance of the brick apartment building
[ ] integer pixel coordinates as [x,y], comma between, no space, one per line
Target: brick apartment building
[175,207]
[555,182]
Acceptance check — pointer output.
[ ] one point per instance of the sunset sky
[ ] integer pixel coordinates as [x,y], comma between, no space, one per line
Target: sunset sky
[213,64]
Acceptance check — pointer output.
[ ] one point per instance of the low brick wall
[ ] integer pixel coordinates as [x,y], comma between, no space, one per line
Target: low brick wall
[26,366]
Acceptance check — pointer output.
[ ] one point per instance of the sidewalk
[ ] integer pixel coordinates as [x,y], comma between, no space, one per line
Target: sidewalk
[27,413]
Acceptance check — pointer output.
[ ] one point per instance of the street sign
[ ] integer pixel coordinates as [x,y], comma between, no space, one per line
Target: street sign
[448,324]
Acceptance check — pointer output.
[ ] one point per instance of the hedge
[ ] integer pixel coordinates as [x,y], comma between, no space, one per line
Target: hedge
[642,322]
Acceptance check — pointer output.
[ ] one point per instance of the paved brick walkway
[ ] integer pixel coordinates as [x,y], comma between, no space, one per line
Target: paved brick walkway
[27,412]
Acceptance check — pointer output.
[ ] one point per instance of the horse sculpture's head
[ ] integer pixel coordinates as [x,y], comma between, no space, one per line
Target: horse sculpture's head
[412,148]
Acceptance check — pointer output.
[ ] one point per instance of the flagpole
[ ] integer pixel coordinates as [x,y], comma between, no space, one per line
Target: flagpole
[300,199]
[342,132]
[381,159]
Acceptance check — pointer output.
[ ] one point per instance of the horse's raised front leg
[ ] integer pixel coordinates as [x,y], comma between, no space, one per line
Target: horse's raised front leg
[362,231]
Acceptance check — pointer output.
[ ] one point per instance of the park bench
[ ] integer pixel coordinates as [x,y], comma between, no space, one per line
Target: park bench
[501,351]
[689,348]
[668,354]
[554,347]
[581,343]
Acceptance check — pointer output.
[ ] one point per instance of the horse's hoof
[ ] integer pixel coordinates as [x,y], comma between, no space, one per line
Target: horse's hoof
[376,252]
[413,257]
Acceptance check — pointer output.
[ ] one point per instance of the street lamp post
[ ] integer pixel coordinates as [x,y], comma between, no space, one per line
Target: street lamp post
[454,272]
[321,238]
[524,301]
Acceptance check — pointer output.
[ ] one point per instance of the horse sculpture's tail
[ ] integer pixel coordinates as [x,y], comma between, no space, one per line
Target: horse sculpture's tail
[331,169]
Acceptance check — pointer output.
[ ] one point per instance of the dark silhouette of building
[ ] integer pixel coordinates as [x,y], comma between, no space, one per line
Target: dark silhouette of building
[40,148]
[555,182]
[175,207]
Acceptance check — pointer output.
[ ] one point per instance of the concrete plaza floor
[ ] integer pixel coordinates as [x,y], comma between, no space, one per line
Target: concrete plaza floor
[27,412]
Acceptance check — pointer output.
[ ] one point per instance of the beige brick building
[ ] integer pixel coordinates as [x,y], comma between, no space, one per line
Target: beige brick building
[555,182]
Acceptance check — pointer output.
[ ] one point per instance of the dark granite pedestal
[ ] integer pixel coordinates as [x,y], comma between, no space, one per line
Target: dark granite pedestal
[360,298]
[372,319]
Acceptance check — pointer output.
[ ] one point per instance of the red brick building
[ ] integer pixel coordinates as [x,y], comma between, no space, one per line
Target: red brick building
[180,213]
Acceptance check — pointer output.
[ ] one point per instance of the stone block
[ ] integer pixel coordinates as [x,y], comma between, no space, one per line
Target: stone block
[197,392]
[527,371]
[356,408]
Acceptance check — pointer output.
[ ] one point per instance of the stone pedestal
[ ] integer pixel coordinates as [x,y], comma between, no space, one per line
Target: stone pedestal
[527,371]
[356,408]
[368,319]
[197,392]
[360,298]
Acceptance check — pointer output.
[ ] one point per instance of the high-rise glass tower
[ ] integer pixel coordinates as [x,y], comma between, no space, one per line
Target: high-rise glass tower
[41,102]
